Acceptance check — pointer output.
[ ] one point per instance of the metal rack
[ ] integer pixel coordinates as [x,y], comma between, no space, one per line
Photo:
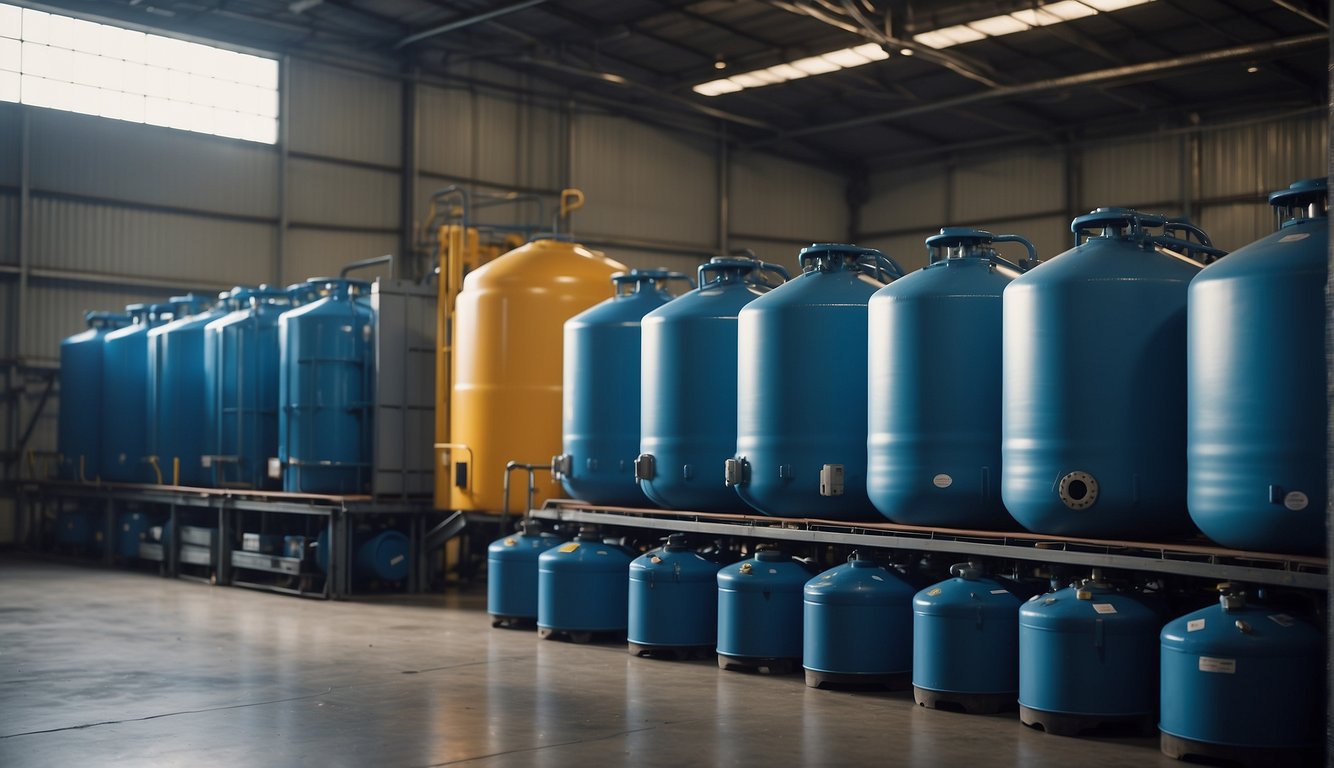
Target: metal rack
[1194,558]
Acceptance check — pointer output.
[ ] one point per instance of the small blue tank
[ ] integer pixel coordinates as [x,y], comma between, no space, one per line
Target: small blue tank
[178,416]
[582,588]
[966,643]
[1088,657]
[673,601]
[600,418]
[79,423]
[125,396]
[326,375]
[511,575]
[384,556]
[1242,682]
[934,449]
[131,529]
[760,612]
[241,389]
[688,408]
[857,624]
[1256,413]
[801,433]
[1093,420]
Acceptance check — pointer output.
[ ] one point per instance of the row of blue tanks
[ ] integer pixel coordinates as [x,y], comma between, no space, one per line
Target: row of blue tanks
[1121,389]
[1237,679]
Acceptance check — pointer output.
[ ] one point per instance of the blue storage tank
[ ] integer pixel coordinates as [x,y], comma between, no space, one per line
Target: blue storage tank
[79,422]
[1088,657]
[241,389]
[760,612]
[966,643]
[384,556]
[1242,682]
[1093,420]
[326,378]
[600,417]
[688,375]
[131,529]
[799,454]
[178,416]
[934,411]
[125,396]
[857,627]
[582,588]
[673,602]
[511,575]
[1256,413]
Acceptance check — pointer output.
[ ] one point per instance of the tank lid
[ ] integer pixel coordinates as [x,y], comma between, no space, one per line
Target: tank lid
[1111,216]
[958,236]
[832,257]
[589,533]
[529,527]
[770,555]
[968,571]
[1302,192]
[676,542]
[858,560]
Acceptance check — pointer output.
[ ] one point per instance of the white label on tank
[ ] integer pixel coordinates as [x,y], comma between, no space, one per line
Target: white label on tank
[942,480]
[877,578]
[1294,237]
[1000,591]
[1104,608]
[1295,501]
[396,559]
[773,570]
[1222,666]
[1195,625]
[1282,619]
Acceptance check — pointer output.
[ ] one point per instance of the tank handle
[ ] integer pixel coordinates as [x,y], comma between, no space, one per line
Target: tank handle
[867,261]
[629,283]
[751,270]
[1137,225]
[958,236]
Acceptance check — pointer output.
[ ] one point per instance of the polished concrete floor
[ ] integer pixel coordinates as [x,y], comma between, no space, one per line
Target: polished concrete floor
[108,668]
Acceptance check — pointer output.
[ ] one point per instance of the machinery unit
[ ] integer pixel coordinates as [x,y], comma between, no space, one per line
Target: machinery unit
[377,554]
[760,612]
[793,457]
[1088,657]
[178,410]
[934,412]
[125,396]
[673,602]
[79,426]
[600,418]
[583,588]
[1093,420]
[857,626]
[688,408]
[511,574]
[1256,413]
[1243,683]
[966,643]
[131,529]
[404,353]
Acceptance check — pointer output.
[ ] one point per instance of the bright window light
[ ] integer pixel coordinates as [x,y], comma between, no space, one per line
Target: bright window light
[795,70]
[1009,23]
[58,62]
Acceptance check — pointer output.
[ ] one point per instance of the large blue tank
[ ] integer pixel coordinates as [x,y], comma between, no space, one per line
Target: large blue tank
[79,423]
[1256,413]
[673,605]
[124,406]
[178,416]
[511,574]
[966,643]
[241,389]
[1088,656]
[600,417]
[801,452]
[934,410]
[583,587]
[688,375]
[384,556]
[1093,416]
[857,626]
[1242,681]
[326,377]
[760,612]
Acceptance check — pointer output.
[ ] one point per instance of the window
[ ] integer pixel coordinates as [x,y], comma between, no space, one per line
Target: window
[58,62]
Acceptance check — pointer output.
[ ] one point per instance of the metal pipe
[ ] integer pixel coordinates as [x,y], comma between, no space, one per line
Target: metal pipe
[1305,14]
[466,21]
[388,258]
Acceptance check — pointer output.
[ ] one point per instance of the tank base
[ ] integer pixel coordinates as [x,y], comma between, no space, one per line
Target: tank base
[675,652]
[760,664]
[513,622]
[897,681]
[1251,757]
[1068,724]
[967,703]
[582,636]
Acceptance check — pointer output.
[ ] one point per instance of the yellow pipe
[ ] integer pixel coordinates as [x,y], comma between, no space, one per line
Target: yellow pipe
[152,461]
[176,471]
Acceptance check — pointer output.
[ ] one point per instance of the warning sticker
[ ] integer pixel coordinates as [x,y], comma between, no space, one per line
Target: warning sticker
[1296,501]
[1195,625]
[1221,666]
[942,480]
[935,592]
[1000,591]
[1294,237]
[1104,608]
[572,546]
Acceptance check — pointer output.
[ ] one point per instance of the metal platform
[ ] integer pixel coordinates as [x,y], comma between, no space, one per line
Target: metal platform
[1197,558]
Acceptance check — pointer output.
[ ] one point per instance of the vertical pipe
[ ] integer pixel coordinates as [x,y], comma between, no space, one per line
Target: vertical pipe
[724,170]
[1329,454]
[21,299]
[407,195]
[284,138]
[567,159]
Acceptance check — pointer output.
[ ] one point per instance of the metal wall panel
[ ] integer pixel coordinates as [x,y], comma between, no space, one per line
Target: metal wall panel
[1140,173]
[1233,225]
[55,311]
[9,228]
[122,241]
[906,249]
[349,115]
[907,198]
[1008,185]
[643,182]
[445,130]
[325,193]
[1258,159]
[316,253]
[112,159]
[1050,235]
[490,138]
[771,196]
[782,254]
[10,126]
[635,259]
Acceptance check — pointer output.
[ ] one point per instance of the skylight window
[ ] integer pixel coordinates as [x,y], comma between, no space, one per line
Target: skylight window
[58,62]
[795,70]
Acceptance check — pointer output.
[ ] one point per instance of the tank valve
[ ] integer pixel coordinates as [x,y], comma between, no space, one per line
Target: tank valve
[747,567]
[736,472]
[561,466]
[1078,490]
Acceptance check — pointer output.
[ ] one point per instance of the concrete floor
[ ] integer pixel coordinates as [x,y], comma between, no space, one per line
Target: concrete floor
[109,668]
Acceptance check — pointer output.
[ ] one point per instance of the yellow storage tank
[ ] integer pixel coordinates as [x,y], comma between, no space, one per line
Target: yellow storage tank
[508,334]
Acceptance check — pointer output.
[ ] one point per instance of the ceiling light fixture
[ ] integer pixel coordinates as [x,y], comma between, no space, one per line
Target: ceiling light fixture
[833,61]
[1020,21]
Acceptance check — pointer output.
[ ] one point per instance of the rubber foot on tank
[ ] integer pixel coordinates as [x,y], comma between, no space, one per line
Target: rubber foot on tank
[582,636]
[897,681]
[1069,724]
[967,703]
[760,664]
[513,622]
[672,652]
[1251,757]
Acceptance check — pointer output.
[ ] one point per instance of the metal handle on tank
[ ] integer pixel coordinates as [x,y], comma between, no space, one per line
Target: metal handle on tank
[638,277]
[950,236]
[749,269]
[869,261]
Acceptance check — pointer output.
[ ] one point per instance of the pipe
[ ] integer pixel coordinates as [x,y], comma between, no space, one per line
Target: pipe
[1305,14]
[466,21]
[388,258]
